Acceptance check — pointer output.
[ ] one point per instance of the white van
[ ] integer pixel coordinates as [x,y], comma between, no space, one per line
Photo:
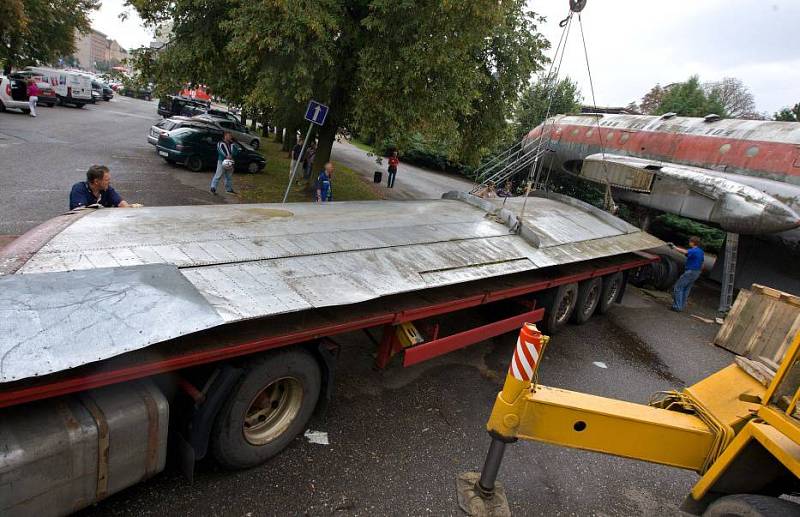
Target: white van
[71,87]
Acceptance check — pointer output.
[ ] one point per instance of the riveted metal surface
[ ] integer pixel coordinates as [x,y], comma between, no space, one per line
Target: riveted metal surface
[54,321]
[253,261]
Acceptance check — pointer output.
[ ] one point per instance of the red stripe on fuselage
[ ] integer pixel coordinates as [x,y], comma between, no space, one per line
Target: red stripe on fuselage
[759,158]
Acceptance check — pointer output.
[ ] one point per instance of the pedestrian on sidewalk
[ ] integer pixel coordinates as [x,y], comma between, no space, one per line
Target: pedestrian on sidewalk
[33,96]
[227,150]
[324,185]
[394,161]
[295,155]
[694,265]
[308,160]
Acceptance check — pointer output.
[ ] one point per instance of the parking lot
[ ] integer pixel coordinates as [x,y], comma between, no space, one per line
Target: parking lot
[40,159]
[397,438]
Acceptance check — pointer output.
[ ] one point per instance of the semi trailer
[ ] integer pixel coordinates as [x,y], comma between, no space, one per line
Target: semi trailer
[214,330]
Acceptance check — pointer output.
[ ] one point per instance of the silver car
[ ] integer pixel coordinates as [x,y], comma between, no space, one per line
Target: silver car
[168,124]
[240,132]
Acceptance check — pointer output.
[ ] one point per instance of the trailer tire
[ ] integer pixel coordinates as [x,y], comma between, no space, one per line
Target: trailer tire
[558,304]
[270,405]
[589,292]
[612,285]
[751,505]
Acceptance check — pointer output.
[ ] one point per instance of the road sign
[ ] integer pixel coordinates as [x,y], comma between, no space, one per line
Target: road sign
[316,113]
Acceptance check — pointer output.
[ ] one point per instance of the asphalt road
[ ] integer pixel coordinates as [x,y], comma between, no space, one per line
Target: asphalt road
[411,182]
[398,438]
[41,158]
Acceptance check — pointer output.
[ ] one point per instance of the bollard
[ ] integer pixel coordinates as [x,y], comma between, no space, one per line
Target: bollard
[480,494]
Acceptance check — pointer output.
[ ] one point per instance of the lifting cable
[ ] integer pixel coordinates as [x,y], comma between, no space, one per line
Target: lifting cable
[555,64]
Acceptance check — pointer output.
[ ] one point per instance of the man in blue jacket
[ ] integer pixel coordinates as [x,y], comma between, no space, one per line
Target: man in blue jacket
[227,150]
[694,264]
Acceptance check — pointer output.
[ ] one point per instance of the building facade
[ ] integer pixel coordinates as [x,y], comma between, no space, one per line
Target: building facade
[94,51]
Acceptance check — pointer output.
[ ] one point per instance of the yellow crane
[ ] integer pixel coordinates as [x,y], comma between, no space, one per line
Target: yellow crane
[742,437]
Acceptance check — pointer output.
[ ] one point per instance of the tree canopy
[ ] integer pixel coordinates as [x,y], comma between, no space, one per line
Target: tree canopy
[789,114]
[383,66]
[690,99]
[41,31]
[532,108]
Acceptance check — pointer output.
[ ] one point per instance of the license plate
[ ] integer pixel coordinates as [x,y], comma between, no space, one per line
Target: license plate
[163,153]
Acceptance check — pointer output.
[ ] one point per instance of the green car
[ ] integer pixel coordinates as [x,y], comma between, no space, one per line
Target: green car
[196,148]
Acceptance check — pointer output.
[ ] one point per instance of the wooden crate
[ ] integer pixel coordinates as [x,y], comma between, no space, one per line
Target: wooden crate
[762,323]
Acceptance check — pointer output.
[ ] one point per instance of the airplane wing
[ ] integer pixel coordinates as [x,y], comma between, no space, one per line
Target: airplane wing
[693,192]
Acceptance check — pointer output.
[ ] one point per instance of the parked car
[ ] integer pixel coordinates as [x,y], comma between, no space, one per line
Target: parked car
[240,132]
[106,93]
[97,91]
[227,115]
[196,148]
[145,93]
[176,105]
[71,87]
[14,94]
[168,124]
[47,94]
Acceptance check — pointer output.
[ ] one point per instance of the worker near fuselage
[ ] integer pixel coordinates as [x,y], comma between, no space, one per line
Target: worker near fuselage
[694,265]
[96,190]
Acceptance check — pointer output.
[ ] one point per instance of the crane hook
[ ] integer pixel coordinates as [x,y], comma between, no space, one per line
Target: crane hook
[577,6]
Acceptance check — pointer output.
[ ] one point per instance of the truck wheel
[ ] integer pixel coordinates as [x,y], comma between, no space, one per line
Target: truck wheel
[267,409]
[194,163]
[750,505]
[612,285]
[558,304]
[588,297]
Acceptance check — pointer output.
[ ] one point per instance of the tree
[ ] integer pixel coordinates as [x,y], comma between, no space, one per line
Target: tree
[532,108]
[652,100]
[383,66]
[690,100]
[41,31]
[736,99]
[789,114]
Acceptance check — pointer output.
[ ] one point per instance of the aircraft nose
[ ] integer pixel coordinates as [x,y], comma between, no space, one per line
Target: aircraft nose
[779,217]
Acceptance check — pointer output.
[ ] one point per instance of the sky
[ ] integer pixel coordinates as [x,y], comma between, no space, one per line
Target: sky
[130,34]
[634,44]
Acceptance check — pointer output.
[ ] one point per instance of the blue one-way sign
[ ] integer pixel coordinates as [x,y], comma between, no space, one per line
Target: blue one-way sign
[316,113]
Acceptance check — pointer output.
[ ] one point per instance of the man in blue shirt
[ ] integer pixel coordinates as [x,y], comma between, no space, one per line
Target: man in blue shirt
[694,264]
[325,184]
[96,190]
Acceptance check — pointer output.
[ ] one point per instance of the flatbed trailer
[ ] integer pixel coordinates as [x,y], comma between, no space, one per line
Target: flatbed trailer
[242,389]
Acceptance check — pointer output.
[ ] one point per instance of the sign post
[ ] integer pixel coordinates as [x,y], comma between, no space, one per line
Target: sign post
[315,114]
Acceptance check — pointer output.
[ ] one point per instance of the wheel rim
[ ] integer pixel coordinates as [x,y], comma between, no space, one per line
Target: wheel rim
[194,163]
[563,308]
[591,299]
[272,411]
[253,167]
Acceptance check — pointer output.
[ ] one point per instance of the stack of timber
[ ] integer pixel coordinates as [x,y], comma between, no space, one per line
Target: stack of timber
[761,325]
